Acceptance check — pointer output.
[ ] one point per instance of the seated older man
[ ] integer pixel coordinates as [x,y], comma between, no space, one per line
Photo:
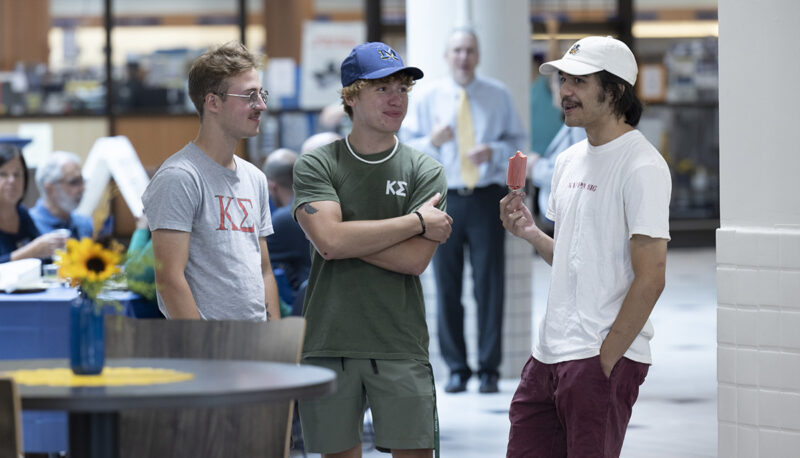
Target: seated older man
[61,188]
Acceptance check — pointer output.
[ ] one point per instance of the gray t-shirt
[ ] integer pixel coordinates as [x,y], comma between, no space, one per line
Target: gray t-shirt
[227,212]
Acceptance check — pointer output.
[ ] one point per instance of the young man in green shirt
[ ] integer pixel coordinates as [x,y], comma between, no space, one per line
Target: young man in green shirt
[374,211]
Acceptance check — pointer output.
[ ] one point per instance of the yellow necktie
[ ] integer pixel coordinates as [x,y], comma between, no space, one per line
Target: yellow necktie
[466,140]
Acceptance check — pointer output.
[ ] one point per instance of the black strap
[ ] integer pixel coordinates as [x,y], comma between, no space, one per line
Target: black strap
[421,221]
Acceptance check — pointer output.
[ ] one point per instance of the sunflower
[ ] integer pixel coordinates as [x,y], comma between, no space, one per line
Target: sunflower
[88,265]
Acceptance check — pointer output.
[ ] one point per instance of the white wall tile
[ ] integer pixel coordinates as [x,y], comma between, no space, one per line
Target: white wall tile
[789,445]
[747,327]
[747,406]
[770,372]
[790,289]
[747,247]
[726,403]
[746,442]
[790,412]
[790,365]
[769,286]
[726,364]
[790,331]
[726,440]
[726,245]
[769,328]
[747,367]
[770,408]
[748,292]
[789,244]
[726,285]
[769,444]
[726,325]
[768,251]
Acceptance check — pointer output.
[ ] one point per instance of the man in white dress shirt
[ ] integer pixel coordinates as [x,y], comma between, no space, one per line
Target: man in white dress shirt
[468,123]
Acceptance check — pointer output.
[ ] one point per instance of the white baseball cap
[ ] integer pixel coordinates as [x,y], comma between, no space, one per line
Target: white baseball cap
[593,54]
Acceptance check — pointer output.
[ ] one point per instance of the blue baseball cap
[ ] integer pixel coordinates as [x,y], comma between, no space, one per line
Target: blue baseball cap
[374,60]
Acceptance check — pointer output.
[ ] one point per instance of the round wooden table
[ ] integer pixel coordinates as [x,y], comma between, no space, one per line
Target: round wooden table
[94,410]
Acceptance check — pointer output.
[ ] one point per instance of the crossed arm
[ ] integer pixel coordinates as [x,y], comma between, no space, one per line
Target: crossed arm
[394,244]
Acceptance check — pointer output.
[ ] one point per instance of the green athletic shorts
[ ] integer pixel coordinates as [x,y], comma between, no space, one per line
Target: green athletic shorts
[402,397]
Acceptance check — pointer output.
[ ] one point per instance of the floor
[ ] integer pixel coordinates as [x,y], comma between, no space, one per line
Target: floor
[676,414]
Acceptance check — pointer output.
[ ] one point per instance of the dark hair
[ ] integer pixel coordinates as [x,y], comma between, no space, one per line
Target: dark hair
[625,102]
[7,153]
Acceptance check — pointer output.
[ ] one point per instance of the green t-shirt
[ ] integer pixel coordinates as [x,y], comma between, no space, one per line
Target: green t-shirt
[354,309]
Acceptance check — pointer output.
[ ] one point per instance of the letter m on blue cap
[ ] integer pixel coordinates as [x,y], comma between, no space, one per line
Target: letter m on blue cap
[387,54]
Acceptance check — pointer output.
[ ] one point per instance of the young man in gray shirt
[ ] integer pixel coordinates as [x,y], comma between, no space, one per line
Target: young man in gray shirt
[208,209]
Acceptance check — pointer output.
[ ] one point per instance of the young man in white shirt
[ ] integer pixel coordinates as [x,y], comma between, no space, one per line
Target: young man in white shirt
[610,203]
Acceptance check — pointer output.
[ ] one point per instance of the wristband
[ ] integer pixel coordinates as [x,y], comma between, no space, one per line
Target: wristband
[421,222]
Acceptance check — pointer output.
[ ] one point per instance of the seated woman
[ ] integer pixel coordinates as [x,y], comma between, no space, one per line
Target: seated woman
[19,238]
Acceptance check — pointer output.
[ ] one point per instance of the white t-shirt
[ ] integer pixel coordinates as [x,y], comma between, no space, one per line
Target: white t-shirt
[601,196]
[227,213]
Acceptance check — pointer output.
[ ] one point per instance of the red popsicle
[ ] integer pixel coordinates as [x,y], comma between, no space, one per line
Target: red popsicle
[517,171]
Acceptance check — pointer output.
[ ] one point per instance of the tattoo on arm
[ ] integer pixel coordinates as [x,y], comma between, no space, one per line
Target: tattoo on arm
[309,209]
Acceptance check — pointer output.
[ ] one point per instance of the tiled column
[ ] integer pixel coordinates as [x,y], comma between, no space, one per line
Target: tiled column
[758,244]
[758,336]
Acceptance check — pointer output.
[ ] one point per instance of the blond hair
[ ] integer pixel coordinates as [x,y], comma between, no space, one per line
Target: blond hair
[352,91]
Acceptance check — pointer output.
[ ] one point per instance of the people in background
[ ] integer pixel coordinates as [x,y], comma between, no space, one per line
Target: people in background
[545,105]
[468,123]
[61,187]
[610,203]
[19,237]
[333,118]
[140,263]
[317,140]
[288,246]
[374,211]
[208,209]
[542,168]
[545,116]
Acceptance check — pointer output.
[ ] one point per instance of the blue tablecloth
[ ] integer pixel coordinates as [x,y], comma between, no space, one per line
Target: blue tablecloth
[36,325]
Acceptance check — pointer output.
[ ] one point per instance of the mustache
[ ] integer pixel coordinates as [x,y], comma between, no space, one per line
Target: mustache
[565,100]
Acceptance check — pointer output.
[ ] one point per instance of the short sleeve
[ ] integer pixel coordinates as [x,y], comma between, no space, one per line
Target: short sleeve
[312,181]
[552,204]
[431,180]
[646,195]
[171,200]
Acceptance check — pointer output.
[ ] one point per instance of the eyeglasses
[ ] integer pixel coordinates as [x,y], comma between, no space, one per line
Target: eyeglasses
[77,181]
[253,97]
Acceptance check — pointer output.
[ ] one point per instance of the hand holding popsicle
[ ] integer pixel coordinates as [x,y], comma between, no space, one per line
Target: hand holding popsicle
[517,171]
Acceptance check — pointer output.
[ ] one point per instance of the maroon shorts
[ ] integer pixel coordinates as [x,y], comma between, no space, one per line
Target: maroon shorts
[571,409]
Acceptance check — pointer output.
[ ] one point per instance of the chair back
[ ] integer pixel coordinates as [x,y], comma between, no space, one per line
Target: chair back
[253,430]
[10,424]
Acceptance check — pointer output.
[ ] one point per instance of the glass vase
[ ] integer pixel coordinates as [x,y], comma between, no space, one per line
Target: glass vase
[86,337]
